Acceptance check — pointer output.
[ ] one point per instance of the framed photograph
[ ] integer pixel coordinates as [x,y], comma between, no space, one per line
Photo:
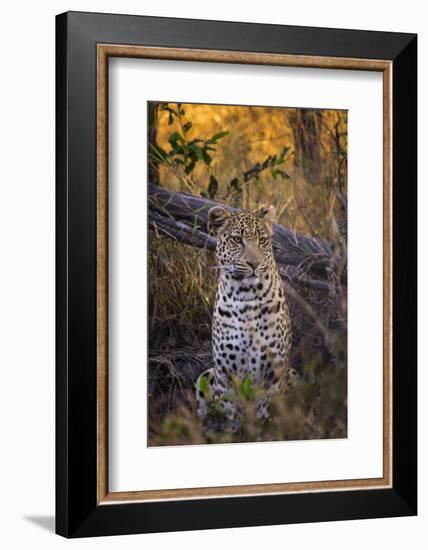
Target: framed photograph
[236,274]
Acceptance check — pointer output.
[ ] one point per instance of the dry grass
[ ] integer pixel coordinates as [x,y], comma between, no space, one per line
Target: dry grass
[182,286]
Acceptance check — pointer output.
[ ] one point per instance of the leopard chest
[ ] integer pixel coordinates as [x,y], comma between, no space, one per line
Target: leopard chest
[251,328]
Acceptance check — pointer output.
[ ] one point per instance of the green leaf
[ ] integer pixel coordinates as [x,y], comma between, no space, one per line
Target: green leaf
[177,150]
[196,140]
[197,151]
[212,187]
[176,138]
[283,174]
[219,136]
[204,386]
[187,127]
[284,151]
[206,158]
[247,388]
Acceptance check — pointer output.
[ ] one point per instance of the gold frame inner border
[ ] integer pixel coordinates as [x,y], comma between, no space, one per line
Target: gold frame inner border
[104,52]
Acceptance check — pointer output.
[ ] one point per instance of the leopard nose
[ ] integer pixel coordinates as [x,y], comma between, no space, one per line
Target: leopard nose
[253,264]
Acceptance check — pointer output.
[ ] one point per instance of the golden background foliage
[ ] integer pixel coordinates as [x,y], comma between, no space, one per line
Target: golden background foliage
[304,202]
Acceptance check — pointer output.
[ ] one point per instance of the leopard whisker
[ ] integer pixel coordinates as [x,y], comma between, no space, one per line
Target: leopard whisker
[225,267]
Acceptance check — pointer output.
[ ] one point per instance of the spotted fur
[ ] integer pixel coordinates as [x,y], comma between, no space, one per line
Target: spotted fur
[251,331]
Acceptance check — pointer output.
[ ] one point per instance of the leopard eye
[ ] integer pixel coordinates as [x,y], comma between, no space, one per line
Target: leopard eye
[236,239]
[264,240]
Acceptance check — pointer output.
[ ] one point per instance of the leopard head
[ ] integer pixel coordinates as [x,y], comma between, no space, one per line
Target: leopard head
[244,241]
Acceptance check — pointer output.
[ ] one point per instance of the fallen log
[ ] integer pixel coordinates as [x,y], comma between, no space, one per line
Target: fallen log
[303,261]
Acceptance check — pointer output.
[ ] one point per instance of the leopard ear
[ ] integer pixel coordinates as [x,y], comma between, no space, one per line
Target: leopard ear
[267,214]
[218,219]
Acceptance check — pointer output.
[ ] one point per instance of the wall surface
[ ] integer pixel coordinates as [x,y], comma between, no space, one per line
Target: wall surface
[27,272]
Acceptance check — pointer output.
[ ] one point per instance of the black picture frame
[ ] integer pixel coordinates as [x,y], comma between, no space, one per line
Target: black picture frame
[77,511]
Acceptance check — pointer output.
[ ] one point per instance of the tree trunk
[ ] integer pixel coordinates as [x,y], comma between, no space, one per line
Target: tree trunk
[152,137]
[306,124]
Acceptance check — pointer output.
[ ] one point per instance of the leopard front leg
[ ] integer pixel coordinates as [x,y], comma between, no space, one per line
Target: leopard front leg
[206,390]
[279,383]
[212,403]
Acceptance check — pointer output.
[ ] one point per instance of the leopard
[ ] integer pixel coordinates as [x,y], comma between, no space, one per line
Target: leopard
[251,322]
